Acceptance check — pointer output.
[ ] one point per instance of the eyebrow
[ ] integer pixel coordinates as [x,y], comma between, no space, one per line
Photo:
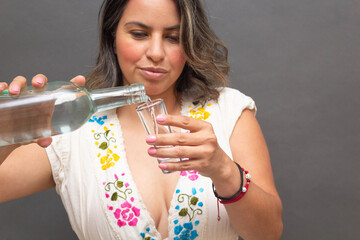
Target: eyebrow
[175,27]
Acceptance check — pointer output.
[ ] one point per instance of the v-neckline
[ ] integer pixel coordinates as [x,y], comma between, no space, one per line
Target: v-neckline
[170,210]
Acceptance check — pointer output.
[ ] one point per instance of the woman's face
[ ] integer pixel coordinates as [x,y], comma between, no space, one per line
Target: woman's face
[147,45]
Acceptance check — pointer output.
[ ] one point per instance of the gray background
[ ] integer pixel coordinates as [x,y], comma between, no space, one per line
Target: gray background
[299,60]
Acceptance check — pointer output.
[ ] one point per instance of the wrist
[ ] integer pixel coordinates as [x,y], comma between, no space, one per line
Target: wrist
[228,180]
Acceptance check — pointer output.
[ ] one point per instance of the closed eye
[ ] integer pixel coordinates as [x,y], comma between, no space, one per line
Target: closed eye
[173,38]
[138,34]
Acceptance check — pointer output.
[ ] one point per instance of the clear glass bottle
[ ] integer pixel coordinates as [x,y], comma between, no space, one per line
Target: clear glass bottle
[59,107]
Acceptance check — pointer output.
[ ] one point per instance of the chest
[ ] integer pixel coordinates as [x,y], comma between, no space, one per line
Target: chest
[155,187]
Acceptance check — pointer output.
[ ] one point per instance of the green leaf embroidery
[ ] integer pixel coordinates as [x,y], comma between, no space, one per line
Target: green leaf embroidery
[194,200]
[107,133]
[103,146]
[147,238]
[183,212]
[114,197]
[119,184]
[191,202]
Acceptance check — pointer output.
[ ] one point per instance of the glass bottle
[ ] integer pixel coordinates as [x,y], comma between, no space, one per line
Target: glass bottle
[57,108]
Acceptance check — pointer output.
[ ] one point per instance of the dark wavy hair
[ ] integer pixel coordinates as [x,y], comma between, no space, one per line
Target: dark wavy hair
[206,67]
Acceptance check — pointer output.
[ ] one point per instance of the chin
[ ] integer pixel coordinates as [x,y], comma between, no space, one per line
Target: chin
[154,95]
[157,91]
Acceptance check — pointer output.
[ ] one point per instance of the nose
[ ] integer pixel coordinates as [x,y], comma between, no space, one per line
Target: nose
[156,51]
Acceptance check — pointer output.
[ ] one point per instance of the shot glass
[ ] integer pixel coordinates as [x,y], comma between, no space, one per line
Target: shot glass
[147,113]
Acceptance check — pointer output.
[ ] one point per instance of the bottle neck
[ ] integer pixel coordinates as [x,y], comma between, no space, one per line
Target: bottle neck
[110,98]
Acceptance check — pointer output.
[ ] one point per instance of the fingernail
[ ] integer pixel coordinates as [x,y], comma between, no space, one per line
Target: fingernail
[39,80]
[162,166]
[151,151]
[45,142]
[161,118]
[15,88]
[150,139]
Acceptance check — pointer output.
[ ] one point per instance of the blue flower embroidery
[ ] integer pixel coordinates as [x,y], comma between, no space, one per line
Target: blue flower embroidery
[185,232]
[143,235]
[99,120]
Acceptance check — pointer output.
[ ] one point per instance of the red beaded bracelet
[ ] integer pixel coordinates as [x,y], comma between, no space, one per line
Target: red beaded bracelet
[243,191]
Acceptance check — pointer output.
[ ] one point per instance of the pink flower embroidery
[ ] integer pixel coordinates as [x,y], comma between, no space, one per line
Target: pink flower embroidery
[193,174]
[127,215]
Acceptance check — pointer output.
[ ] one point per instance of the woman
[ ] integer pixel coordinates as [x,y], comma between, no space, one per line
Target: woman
[118,191]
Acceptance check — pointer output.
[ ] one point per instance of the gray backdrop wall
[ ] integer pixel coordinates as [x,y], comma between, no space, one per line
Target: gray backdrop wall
[299,60]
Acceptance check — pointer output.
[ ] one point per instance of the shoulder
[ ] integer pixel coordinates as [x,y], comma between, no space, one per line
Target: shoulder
[233,100]
[230,94]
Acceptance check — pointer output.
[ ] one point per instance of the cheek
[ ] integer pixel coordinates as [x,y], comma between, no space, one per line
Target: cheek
[177,59]
[127,52]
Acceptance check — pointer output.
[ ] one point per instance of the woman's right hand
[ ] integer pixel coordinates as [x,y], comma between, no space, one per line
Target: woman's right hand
[37,81]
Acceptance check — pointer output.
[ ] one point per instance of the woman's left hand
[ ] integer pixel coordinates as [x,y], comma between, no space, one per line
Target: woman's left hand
[199,146]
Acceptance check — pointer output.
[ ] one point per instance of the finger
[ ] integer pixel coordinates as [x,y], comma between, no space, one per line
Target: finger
[181,165]
[16,85]
[177,152]
[79,80]
[39,80]
[44,142]
[3,86]
[180,138]
[183,122]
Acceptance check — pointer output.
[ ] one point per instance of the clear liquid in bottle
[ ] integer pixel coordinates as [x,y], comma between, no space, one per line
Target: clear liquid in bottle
[62,108]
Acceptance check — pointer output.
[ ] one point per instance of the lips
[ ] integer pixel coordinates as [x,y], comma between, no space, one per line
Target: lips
[153,73]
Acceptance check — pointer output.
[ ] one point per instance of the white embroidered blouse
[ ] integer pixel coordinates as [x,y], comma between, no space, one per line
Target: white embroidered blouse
[99,194]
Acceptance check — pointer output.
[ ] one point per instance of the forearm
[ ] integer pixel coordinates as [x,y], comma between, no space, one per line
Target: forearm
[258,215]
[5,151]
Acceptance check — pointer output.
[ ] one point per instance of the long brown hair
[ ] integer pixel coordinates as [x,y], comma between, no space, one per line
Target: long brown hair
[206,67]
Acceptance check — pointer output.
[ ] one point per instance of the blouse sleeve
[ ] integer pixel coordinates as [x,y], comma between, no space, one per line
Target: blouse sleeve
[232,103]
[58,154]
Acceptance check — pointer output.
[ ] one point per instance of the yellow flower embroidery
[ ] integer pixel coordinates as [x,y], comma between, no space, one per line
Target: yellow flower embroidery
[108,160]
[103,140]
[199,112]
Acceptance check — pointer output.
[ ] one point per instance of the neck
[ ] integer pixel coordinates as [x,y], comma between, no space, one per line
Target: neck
[173,105]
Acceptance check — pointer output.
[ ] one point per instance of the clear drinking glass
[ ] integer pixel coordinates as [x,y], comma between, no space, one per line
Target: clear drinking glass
[148,112]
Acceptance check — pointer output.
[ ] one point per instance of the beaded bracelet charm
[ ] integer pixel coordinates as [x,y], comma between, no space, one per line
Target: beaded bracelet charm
[243,191]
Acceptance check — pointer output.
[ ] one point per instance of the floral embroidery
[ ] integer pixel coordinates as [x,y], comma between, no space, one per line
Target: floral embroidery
[127,214]
[119,192]
[98,120]
[107,161]
[103,141]
[120,203]
[191,210]
[105,138]
[193,174]
[199,112]
[144,235]
[185,231]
